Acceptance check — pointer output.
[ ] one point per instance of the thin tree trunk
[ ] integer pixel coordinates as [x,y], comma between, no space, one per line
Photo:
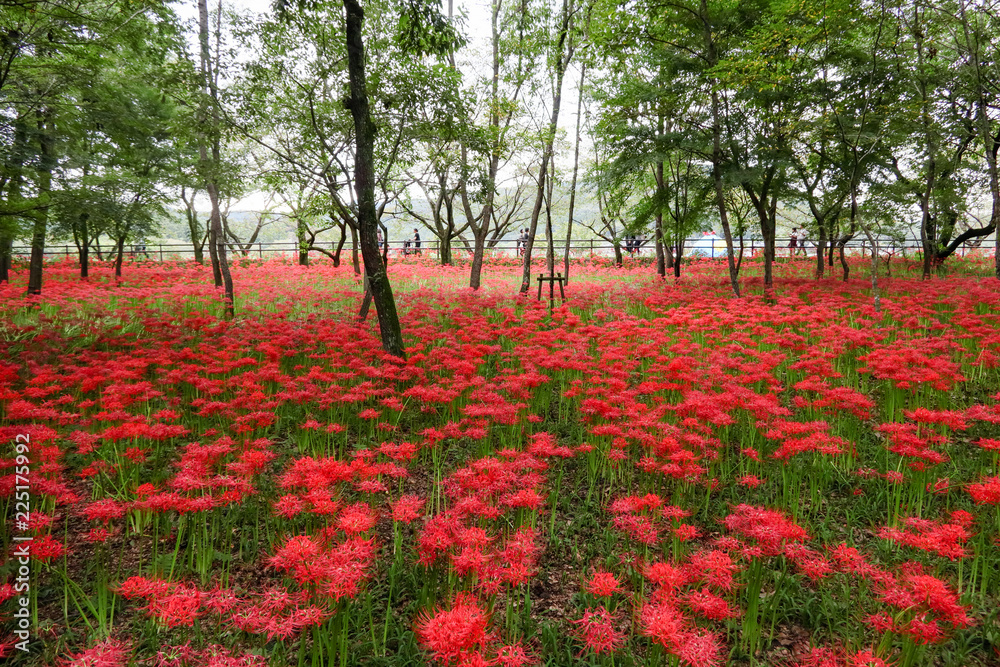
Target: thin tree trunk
[768,232]
[561,63]
[340,244]
[661,260]
[820,249]
[991,142]
[717,155]
[13,201]
[876,299]
[364,184]
[217,241]
[300,233]
[6,245]
[47,147]
[661,255]
[120,255]
[576,169]
[355,261]
[84,246]
[550,248]
[478,253]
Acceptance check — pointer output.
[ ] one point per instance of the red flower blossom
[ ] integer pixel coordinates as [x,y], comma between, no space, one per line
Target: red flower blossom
[453,633]
[603,584]
[597,631]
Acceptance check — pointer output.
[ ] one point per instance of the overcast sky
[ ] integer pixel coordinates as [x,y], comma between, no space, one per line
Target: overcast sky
[477,30]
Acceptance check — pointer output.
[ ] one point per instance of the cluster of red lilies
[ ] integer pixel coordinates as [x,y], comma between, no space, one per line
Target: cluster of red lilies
[739,453]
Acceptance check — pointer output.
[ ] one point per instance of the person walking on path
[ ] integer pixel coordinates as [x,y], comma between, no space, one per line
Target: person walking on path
[793,242]
[803,239]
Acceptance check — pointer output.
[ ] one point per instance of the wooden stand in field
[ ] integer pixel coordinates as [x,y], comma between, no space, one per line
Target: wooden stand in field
[551,280]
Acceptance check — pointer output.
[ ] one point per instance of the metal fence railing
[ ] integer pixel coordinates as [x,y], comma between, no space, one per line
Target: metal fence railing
[703,247]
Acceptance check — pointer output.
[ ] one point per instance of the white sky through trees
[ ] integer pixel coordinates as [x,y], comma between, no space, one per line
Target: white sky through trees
[474,62]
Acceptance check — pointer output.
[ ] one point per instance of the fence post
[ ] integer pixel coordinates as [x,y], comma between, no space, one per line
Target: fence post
[591,246]
[160,246]
[260,249]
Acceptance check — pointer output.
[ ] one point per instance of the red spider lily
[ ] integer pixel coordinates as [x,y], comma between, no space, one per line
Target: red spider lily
[450,634]
[686,532]
[603,584]
[991,444]
[46,549]
[180,607]
[597,631]
[665,575]
[665,625]
[944,539]
[769,529]
[932,608]
[714,567]
[107,653]
[356,519]
[986,492]
[105,510]
[514,655]
[407,508]
[828,657]
[750,481]
[709,606]
[807,561]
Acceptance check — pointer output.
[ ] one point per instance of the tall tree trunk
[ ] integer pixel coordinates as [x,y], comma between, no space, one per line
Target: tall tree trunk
[197,237]
[213,256]
[576,170]
[661,255]
[14,169]
[41,217]
[768,232]
[84,246]
[661,260]
[300,235]
[481,231]
[119,256]
[197,234]
[991,141]
[820,248]
[217,240]
[478,253]
[720,195]
[340,244]
[550,247]
[364,184]
[563,55]
[355,261]
[876,298]
[6,249]
[444,249]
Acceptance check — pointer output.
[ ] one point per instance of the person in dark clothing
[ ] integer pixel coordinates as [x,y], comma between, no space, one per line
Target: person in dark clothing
[416,241]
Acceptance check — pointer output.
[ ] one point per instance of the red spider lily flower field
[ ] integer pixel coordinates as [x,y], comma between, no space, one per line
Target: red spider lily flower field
[652,473]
